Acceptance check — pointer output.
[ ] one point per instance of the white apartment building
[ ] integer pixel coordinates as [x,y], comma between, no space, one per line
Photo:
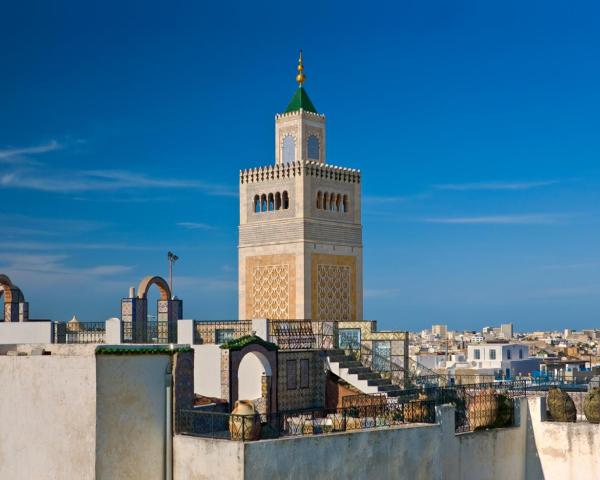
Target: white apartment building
[497,356]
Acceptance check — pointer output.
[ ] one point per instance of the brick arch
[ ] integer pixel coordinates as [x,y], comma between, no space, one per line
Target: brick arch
[12,293]
[161,283]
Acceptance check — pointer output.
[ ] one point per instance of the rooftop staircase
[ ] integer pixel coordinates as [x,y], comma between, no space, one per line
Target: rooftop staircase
[356,374]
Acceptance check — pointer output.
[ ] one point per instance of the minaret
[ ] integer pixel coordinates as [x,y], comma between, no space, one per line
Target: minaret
[300,234]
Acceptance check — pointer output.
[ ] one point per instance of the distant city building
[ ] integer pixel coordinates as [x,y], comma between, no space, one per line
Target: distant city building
[440,330]
[506,329]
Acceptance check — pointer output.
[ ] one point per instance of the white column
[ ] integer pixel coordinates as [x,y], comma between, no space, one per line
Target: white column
[185,332]
[113,331]
[260,327]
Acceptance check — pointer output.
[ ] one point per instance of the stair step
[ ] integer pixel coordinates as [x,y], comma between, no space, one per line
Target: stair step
[387,388]
[382,382]
[393,393]
[358,370]
[368,376]
[350,364]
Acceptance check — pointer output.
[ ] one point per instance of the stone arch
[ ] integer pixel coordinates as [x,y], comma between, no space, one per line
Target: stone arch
[261,361]
[319,199]
[16,309]
[134,314]
[161,283]
[251,370]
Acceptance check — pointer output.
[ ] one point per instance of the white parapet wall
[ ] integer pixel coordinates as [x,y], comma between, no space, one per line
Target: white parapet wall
[413,451]
[72,414]
[207,370]
[561,450]
[12,333]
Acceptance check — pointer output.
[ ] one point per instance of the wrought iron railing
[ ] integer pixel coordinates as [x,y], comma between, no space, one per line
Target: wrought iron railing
[209,331]
[302,422]
[154,332]
[477,406]
[303,334]
[79,332]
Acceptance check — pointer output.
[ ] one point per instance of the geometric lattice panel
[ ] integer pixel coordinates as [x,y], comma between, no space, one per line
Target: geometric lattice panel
[271,291]
[333,292]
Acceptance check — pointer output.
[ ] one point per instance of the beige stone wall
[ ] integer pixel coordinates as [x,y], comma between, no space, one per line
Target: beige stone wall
[271,286]
[333,287]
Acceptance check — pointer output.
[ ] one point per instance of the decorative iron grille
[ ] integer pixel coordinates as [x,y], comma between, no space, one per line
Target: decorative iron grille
[79,332]
[302,422]
[155,332]
[303,334]
[206,331]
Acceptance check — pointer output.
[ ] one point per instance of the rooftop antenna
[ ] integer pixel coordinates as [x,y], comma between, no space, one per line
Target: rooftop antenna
[172,259]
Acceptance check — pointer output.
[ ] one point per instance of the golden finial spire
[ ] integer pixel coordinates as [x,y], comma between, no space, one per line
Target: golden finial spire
[300,77]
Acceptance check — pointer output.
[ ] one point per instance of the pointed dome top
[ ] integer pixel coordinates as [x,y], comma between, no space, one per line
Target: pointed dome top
[74,319]
[300,99]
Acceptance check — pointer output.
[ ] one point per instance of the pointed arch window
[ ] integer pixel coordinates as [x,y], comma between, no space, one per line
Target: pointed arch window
[319,200]
[256,204]
[313,148]
[263,203]
[338,201]
[278,201]
[288,149]
[325,201]
[286,200]
[271,202]
[345,204]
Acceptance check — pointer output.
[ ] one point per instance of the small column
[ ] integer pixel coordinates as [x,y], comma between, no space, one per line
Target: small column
[113,331]
[260,327]
[185,332]
[134,315]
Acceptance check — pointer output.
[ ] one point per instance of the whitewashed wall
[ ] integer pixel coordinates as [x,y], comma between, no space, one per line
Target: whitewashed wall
[25,332]
[130,415]
[48,416]
[207,370]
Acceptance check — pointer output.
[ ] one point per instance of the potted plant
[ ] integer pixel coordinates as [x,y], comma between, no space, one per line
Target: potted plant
[561,407]
[591,405]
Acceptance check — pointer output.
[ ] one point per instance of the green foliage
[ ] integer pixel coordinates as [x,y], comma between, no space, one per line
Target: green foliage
[140,350]
[561,406]
[505,409]
[239,343]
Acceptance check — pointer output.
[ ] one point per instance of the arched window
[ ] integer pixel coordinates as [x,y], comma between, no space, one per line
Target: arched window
[338,202]
[313,147]
[278,201]
[263,203]
[286,201]
[289,149]
[345,204]
[256,204]
[271,202]
[325,201]
[319,199]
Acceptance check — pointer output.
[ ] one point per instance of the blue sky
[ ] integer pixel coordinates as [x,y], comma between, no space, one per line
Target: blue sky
[123,127]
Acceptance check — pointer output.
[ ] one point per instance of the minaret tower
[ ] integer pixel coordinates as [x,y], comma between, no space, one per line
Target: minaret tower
[300,234]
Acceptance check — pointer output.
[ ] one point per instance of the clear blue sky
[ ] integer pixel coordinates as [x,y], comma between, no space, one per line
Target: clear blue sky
[123,126]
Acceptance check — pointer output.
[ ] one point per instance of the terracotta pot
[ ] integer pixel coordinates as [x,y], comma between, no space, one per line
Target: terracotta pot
[244,423]
[591,405]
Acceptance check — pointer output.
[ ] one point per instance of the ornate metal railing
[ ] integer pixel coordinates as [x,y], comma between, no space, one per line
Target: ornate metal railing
[477,406]
[79,332]
[303,334]
[155,332]
[210,331]
[302,422]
